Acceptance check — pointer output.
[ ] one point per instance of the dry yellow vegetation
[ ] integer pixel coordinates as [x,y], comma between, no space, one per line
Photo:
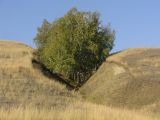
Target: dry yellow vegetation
[21,83]
[75,111]
[127,79]
[28,92]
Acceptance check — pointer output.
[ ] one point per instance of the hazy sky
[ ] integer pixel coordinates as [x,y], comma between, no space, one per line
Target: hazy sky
[136,22]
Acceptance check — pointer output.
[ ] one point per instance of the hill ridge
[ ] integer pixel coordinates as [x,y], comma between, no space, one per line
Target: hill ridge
[22,84]
[129,78]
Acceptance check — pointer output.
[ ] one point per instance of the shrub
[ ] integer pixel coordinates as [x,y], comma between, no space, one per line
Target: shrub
[74,45]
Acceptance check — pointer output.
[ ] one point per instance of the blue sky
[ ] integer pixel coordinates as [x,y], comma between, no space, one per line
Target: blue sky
[136,22]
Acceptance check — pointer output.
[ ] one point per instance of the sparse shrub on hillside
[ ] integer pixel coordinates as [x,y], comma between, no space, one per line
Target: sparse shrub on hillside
[74,45]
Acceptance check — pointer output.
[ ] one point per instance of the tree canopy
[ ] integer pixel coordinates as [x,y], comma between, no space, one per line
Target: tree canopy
[74,45]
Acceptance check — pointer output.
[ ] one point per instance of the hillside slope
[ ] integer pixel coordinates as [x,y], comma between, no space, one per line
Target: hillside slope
[23,84]
[28,92]
[127,79]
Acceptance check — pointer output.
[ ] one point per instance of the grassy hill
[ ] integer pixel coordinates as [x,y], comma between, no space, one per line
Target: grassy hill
[28,91]
[21,83]
[129,79]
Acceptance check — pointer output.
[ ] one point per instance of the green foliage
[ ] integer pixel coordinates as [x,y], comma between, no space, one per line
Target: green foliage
[42,34]
[74,45]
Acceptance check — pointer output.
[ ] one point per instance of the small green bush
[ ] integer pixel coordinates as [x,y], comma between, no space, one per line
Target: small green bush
[74,45]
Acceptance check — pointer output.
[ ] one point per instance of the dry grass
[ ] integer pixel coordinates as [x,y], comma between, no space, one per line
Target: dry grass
[76,111]
[27,94]
[21,84]
[127,79]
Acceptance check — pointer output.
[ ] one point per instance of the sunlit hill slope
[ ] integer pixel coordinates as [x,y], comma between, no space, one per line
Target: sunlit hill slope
[23,82]
[125,81]
[129,79]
